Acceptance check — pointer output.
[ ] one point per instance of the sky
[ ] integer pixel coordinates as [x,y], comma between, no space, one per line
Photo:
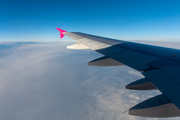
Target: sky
[36,20]
[46,81]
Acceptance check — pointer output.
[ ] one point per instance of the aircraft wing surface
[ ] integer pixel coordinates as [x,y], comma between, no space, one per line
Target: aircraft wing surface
[159,65]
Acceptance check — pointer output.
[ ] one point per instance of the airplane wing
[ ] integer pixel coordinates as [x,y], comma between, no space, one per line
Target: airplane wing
[159,65]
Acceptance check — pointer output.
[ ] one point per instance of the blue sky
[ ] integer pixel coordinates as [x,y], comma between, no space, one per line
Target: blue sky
[36,20]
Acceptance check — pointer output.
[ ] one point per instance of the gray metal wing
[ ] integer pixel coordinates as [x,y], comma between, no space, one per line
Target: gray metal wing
[159,65]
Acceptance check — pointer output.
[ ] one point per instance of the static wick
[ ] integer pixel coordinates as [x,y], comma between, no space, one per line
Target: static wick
[125,111]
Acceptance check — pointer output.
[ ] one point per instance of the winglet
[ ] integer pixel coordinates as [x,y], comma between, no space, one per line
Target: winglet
[61,32]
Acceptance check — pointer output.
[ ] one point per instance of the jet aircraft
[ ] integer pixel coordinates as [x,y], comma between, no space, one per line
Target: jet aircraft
[160,67]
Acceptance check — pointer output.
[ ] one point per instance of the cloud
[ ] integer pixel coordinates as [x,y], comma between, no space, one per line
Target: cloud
[47,81]
[135,73]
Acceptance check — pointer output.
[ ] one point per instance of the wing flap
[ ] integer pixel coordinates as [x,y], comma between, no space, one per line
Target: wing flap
[131,63]
[168,86]
[172,71]
[160,63]
[112,50]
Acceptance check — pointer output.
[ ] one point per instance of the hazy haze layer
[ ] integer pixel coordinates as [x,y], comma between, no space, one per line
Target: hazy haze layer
[43,81]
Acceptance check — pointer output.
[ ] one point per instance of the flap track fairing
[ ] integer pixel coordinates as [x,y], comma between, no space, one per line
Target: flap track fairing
[142,84]
[104,61]
[157,106]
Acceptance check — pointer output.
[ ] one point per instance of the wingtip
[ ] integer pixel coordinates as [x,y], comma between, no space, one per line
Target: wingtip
[61,32]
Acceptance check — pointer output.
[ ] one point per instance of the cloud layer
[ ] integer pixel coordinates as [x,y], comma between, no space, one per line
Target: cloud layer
[47,81]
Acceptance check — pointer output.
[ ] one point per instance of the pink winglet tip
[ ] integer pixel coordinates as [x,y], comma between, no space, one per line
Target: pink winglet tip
[61,32]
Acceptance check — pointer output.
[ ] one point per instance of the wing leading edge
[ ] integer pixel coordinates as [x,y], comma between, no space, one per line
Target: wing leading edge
[159,65]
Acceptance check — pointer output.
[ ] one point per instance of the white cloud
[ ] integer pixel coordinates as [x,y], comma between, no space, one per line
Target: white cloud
[135,73]
[47,81]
